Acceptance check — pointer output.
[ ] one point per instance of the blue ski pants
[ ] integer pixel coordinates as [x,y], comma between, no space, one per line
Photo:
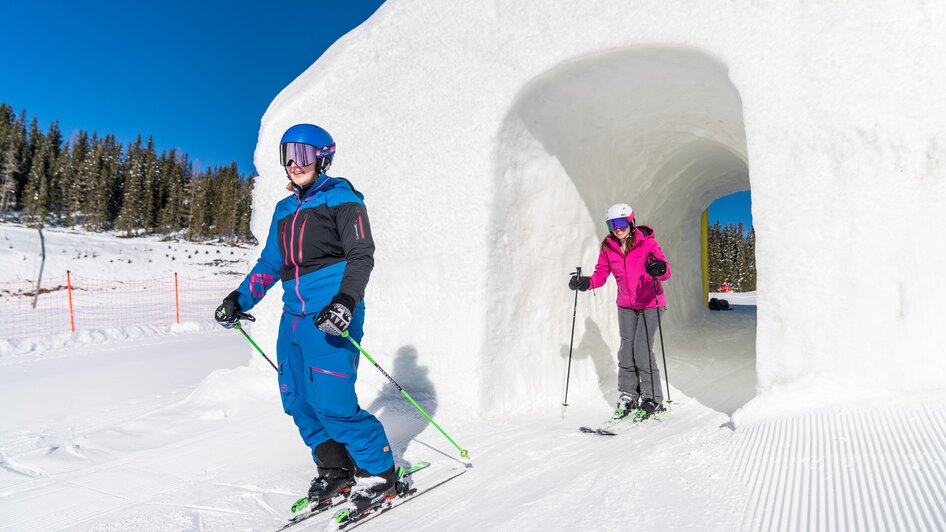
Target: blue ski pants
[317,373]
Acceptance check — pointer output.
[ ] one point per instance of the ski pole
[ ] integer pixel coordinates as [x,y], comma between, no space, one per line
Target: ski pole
[660,330]
[568,372]
[238,327]
[463,452]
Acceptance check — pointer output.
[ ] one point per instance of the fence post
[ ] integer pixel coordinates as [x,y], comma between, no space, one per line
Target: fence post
[177,302]
[72,319]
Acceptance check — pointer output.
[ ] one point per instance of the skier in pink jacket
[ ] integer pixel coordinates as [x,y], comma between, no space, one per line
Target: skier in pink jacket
[633,256]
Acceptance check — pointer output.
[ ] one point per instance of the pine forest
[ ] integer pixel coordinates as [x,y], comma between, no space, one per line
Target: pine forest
[97,183]
[732,257]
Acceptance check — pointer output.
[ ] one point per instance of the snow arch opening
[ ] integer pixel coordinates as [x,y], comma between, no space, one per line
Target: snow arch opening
[660,128]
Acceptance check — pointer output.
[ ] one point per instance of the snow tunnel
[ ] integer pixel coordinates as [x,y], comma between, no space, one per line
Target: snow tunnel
[660,128]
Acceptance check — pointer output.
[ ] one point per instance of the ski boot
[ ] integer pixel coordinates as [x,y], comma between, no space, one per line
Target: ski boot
[648,409]
[334,483]
[323,490]
[626,405]
[372,492]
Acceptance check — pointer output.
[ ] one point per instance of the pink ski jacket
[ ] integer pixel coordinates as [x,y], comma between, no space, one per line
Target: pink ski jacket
[635,286]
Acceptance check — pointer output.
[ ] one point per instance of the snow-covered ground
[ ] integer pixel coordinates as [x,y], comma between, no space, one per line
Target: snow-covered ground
[173,431]
[120,288]
[139,436]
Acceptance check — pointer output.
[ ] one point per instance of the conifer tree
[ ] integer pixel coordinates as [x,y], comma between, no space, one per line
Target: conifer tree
[150,184]
[715,245]
[749,284]
[199,207]
[114,181]
[731,257]
[75,179]
[95,202]
[10,140]
[25,157]
[225,190]
[8,170]
[36,194]
[58,165]
[173,181]
[130,218]
[244,210]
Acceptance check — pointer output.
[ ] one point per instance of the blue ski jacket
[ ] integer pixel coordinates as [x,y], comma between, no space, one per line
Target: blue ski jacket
[319,244]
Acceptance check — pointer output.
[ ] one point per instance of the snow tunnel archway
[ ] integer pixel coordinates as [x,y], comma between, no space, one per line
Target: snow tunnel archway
[660,128]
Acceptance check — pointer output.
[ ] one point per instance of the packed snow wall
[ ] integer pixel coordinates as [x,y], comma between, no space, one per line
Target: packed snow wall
[659,128]
[489,138]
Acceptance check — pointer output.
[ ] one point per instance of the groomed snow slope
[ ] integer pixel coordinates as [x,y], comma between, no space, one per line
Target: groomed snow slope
[152,433]
[489,138]
[131,441]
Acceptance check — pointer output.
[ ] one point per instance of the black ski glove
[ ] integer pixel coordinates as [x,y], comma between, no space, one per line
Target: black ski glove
[579,283]
[335,318]
[228,313]
[655,267]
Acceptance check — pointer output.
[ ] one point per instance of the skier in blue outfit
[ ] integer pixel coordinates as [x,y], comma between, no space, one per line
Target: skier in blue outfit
[320,246]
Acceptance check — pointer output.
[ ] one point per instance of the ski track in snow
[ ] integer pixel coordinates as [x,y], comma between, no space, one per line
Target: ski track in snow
[845,469]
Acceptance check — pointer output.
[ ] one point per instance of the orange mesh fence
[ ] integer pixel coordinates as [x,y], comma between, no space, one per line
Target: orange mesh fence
[106,304]
[19,319]
[200,297]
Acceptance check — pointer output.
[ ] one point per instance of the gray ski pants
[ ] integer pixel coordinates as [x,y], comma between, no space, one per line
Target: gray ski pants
[637,367]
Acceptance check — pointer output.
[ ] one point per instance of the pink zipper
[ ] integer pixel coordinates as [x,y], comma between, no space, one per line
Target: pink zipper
[292,241]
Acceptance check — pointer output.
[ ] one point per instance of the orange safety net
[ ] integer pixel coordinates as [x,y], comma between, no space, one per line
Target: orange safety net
[18,318]
[106,304]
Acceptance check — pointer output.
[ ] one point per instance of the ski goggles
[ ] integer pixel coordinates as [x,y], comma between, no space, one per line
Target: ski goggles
[618,223]
[302,154]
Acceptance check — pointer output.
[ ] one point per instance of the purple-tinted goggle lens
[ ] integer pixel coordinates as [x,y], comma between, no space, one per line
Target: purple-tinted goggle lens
[302,154]
[618,223]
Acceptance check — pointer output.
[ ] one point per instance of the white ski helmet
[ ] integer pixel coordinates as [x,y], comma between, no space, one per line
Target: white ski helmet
[619,212]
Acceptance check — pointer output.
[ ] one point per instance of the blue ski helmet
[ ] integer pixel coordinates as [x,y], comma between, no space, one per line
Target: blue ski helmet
[305,144]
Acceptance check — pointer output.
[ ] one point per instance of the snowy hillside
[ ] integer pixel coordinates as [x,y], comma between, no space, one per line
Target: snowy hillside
[117,288]
[108,256]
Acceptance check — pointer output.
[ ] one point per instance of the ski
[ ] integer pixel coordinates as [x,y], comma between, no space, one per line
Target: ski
[304,509]
[657,416]
[614,427]
[346,519]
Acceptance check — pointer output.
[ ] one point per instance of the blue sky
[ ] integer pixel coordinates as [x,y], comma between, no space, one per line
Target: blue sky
[732,209]
[198,76]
